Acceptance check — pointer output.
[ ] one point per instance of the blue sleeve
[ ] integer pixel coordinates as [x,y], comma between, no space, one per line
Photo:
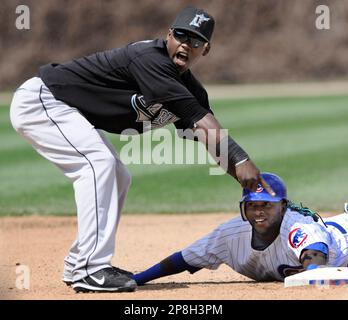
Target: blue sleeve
[171,265]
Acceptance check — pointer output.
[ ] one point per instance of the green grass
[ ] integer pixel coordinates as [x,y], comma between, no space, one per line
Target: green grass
[304,140]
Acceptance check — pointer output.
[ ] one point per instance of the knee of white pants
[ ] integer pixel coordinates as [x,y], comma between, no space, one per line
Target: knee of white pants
[14,113]
[107,161]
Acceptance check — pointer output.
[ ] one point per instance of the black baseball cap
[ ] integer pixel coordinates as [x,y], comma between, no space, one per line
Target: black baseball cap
[195,20]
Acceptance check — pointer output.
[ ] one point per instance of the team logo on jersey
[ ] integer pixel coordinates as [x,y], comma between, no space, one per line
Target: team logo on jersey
[297,237]
[259,188]
[198,20]
[155,113]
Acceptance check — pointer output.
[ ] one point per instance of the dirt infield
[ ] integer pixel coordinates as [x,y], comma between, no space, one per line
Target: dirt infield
[42,242]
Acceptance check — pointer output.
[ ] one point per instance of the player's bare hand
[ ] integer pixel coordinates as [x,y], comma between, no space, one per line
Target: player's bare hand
[249,177]
[266,186]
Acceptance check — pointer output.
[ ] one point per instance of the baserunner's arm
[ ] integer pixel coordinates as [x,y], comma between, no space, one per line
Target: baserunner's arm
[173,264]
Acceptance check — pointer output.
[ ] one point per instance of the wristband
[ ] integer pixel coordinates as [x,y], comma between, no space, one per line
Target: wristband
[312,266]
[235,153]
[240,162]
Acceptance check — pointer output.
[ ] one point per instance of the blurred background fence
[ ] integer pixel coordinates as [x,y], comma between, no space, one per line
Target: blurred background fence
[254,41]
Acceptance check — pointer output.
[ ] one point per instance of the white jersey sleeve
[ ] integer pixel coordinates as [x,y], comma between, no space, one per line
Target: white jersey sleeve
[211,250]
[308,236]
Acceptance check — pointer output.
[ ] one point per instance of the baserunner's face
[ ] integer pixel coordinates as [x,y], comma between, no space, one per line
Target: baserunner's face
[183,54]
[264,216]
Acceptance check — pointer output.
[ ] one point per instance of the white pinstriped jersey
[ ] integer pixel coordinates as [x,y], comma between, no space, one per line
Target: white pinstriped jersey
[230,244]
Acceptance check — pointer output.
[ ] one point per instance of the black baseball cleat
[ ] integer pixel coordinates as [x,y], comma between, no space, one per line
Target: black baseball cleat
[125,272]
[68,281]
[105,280]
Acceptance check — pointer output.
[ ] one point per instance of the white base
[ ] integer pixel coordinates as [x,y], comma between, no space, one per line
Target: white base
[319,277]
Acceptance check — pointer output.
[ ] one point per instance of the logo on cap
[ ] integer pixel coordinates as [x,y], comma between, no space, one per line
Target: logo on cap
[259,188]
[198,20]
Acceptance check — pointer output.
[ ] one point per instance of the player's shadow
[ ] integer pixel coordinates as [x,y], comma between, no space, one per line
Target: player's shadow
[183,285]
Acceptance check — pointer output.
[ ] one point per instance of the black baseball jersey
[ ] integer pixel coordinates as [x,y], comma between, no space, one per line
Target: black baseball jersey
[124,87]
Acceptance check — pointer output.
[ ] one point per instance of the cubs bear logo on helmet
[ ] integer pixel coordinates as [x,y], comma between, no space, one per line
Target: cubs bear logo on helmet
[261,194]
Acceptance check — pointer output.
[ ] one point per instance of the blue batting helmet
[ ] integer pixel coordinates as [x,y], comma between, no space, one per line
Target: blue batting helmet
[261,194]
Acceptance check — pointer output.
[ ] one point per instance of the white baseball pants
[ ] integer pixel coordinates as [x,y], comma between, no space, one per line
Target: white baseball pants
[62,135]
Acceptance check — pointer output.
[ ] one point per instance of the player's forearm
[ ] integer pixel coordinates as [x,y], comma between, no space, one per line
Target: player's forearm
[228,155]
[171,265]
[222,147]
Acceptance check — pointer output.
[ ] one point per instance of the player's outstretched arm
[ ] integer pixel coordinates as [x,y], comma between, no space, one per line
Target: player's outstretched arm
[170,265]
[230,156]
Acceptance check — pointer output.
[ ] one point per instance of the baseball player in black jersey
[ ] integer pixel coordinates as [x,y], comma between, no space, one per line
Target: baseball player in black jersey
[64,110]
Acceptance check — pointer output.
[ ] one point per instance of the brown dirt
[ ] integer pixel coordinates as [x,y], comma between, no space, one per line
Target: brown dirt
[42,242]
